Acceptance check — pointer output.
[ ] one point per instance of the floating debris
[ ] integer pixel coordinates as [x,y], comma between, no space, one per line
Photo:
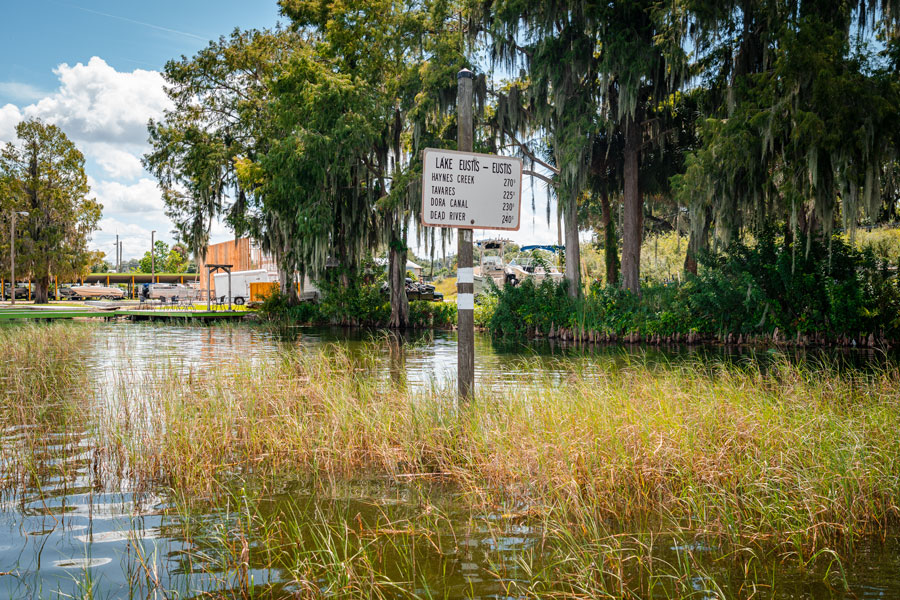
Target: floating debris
[82,563]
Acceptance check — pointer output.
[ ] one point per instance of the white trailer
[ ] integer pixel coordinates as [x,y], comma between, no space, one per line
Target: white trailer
[240,284]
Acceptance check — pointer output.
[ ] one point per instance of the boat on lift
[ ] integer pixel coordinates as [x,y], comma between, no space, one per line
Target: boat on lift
[491,270]
[529,265]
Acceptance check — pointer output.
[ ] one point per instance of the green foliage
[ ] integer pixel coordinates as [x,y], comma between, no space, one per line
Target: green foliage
[485,307]
[312,130]
[362,302]
[98,263]
[277,307]
[359,302]
[218,117]
[532,307]
[165,259]
[432,314]
[885,243]
[834,290]
[807,122]
[43,174]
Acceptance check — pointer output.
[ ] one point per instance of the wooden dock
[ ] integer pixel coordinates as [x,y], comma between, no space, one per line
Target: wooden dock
[7,314]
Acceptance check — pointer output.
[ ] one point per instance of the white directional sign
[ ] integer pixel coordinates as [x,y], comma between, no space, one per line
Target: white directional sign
[470,190]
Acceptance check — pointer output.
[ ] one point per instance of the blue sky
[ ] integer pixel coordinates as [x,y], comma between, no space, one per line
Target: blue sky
[92,67]
[39,35]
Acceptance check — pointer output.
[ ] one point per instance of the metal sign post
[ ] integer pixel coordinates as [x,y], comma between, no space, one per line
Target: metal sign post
[465,284]
[466,190]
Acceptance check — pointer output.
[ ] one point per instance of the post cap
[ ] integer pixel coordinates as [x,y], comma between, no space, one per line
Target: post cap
[465,73]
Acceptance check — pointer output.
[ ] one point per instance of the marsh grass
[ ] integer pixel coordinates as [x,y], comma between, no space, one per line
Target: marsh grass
[44,403]
[636,479]
[801,456]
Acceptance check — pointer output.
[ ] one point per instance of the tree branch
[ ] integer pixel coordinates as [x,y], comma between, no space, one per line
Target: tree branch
[527,151]
[540,176]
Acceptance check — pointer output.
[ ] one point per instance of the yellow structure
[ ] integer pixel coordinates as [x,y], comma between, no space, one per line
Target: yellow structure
[260,289]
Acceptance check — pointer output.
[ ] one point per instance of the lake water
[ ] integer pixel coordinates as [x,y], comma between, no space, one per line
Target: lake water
[63,533]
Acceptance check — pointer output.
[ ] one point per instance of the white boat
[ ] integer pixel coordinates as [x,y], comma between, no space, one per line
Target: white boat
[530,264]
[97,291]
[522,268]
[491,268]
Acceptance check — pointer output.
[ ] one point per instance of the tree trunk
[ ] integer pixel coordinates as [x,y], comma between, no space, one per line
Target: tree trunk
[573,249]
[397,284]
[42,290]
[633,226]
[609,240]
[288,287]
[697,241]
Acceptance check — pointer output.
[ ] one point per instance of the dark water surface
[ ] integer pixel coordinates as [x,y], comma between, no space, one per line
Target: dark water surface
[63,534]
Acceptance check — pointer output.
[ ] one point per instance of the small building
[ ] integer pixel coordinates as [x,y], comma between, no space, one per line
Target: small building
[412,267]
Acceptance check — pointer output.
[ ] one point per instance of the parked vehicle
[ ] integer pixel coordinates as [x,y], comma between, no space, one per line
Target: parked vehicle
[418,291]
[21,293]
[491,270]
[66,293]
[240,284]
[525,267]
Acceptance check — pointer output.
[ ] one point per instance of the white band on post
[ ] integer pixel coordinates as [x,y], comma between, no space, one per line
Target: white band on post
[465,275]
[465,302]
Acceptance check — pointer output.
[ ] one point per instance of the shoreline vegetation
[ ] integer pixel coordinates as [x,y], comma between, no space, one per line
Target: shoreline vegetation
[795,461]
[767,293]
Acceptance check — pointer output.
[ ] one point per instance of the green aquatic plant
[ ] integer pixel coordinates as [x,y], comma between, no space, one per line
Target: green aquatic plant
[794,456]
[308,474]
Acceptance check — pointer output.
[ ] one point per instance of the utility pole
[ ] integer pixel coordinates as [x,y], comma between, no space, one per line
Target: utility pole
[12,251]
[152,256]
[465,282]
[117,253]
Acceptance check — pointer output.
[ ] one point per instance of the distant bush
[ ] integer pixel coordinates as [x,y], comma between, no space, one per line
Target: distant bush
[432,314]
[884,242]
[485,306]
[275,307]
[361,302]
[833,289]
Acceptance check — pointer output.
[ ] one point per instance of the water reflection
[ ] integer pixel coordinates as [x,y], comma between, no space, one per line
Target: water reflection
[65,523]
[425,359]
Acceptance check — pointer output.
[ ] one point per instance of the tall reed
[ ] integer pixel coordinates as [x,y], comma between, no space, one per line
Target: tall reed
[621,479]
[795,455]
[44,401]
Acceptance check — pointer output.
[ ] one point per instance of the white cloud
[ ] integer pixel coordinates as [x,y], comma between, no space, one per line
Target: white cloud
[10,116]
[96,103]
[117,162]
[21,91]
[103,111]
[141,200]
[135,238]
